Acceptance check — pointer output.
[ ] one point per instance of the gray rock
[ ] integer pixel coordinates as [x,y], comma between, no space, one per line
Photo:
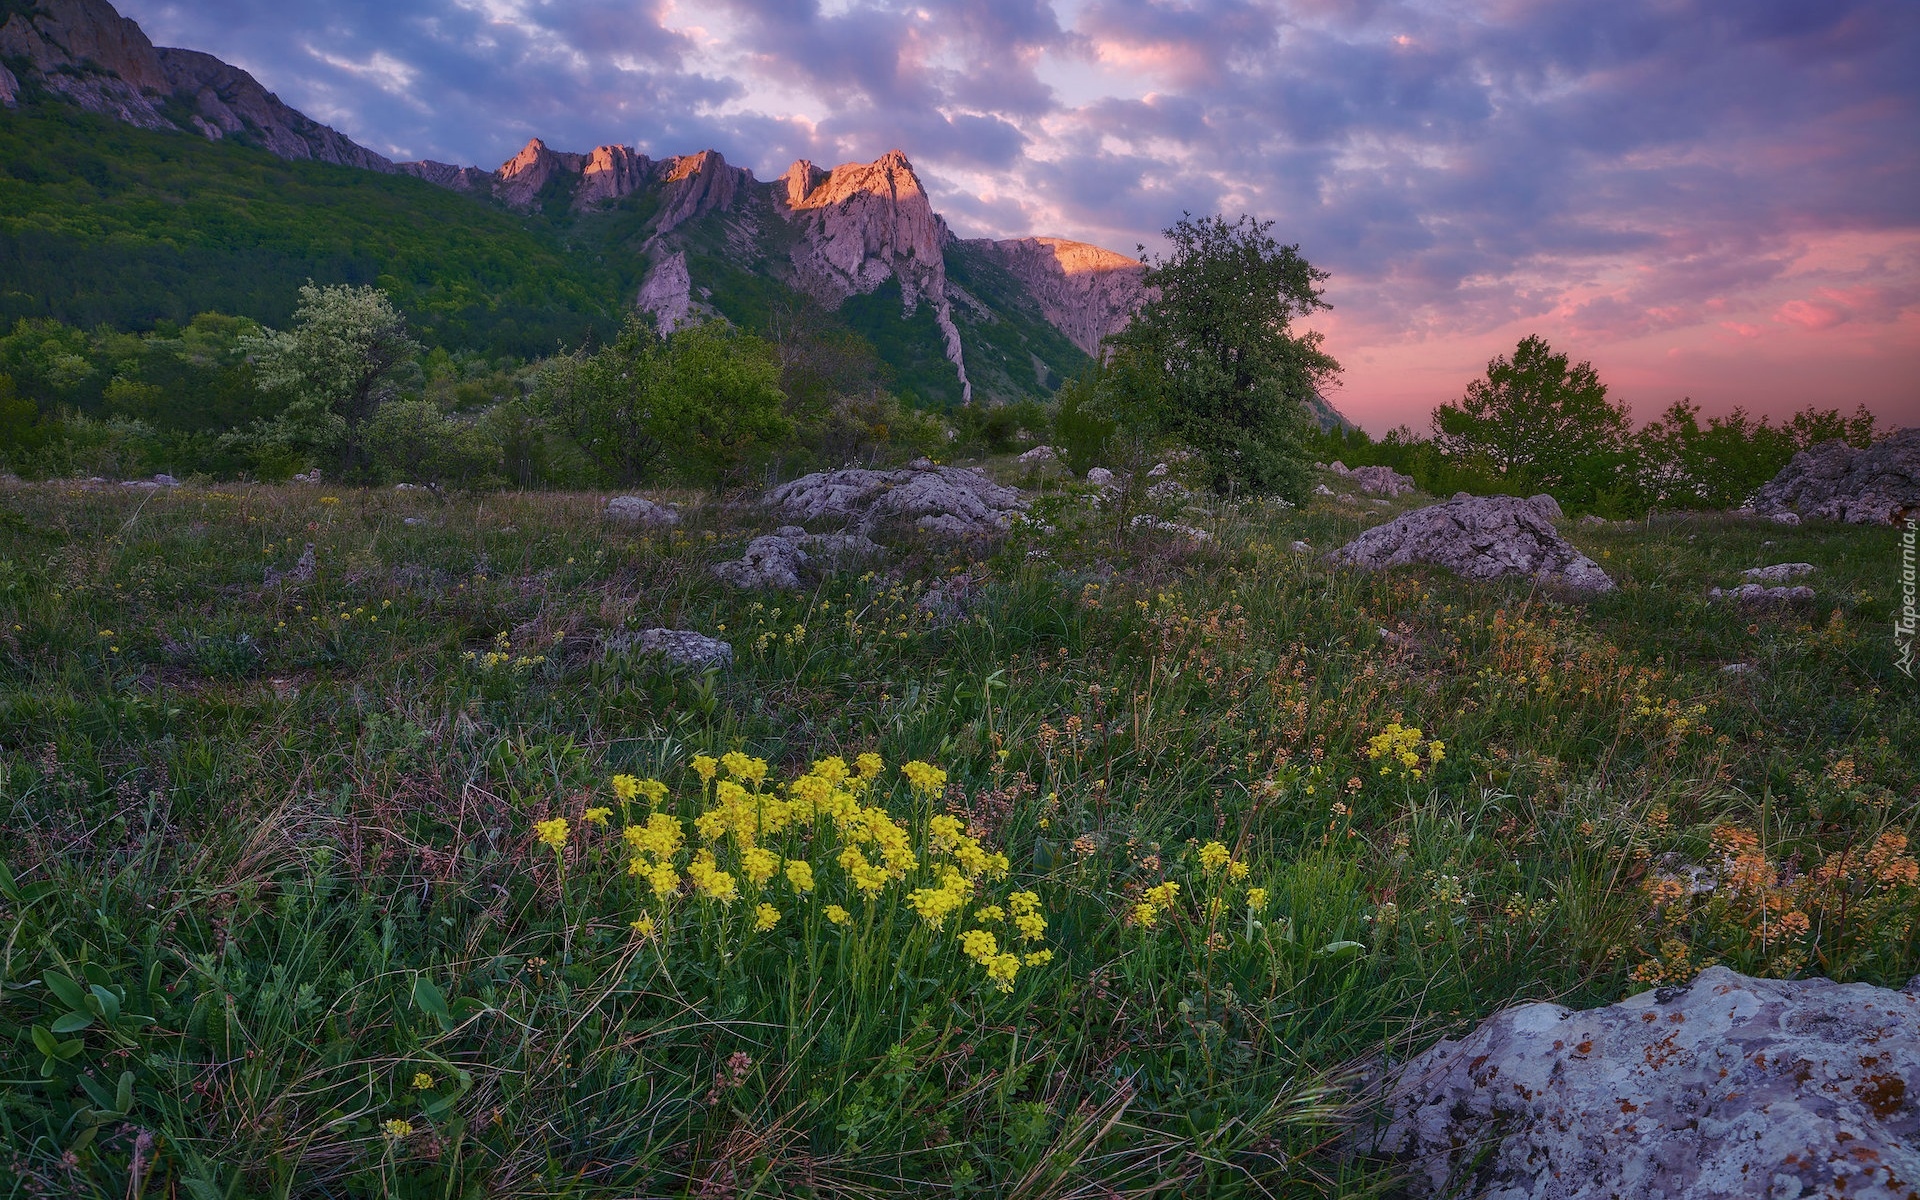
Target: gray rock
[1736,668]
[1548,506]
[1301,548]
[770,562]
[1168,491]
[949,500]
[641,511]
[1785,518]
[1840,483]
[1038,456]
[1149,521]
[1753,593]
[1381,481]
[1591,522]
[1159,471]
[680,647]
[1479,537]
[1321,489]
[1732,1087]
[1100,477]
[413,520]
[165,480]
[1778,572]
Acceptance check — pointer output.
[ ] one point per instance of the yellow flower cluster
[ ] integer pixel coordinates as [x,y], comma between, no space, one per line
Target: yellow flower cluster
[1398,749]
[552,833]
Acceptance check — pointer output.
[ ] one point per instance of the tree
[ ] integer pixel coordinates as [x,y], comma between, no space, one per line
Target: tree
[339,363]
[696,403]
[1214,344]
[413,441]
[1536,422]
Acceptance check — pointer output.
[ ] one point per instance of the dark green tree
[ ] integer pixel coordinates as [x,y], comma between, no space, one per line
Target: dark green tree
[1537,422]
[1232,378]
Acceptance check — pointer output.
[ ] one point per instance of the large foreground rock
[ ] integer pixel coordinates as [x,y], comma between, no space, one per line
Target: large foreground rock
[1480,537]
[1838,482]
[951,500]
[1733,1087]
[779,559]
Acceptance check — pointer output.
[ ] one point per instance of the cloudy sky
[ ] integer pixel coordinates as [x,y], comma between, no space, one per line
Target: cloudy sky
[1708,198]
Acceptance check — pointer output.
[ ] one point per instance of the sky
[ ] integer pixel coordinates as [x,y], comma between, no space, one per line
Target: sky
[1715,199]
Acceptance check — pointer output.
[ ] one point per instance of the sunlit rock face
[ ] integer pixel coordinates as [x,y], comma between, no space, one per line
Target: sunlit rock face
[864,223]
[611,172]
[520,180]
[1084,291]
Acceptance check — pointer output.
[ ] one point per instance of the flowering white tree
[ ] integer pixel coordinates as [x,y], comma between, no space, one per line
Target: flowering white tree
[338,363]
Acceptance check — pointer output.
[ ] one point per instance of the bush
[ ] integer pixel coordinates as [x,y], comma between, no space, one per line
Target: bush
[412,441]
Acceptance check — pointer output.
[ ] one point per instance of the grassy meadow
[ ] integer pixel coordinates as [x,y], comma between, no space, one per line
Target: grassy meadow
[1094,862]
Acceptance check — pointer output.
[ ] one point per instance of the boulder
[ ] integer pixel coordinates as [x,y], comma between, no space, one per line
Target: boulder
[680,647]
[1479,537]
[1785,518]
[1381,481]
[950,500]
[1753,593]
[1591,521]
[1778,572]
[641,511]
[1841,483]
[1100,477]
[164,480]
[770,562]
[1159,471]
[1547,505]
[1038,456]
[1168,491]
[1730,1087]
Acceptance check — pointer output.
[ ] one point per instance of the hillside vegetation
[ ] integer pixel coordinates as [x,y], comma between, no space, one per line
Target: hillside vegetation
[349,884]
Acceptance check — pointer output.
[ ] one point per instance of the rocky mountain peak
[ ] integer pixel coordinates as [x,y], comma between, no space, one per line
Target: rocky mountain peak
[697,184]
[520,180]
[611,172]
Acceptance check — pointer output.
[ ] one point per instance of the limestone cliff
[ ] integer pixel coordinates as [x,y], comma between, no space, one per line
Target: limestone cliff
[520,180]
[864,223]
[1084,291]
[609,173]
[227,100]
[697,184]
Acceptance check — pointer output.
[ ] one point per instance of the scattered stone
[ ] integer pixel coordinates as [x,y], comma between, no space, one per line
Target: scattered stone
[413,520]
[1778,572]
[1731,1087]
[1786,518]
[165,480]
[1548,506]
[312,476]
[1149,521]
[1753,593]
[1479,537]
[407,487]
[1382,481]
[1100,477]
[1321,489]
[1038,456]
[680,647]
[1159,471]
[1736,668]
[641,511]
[146,484]
[1301,548]
[1168,491]
[1591,521]
[1841,483]
[300,572]
[949,500]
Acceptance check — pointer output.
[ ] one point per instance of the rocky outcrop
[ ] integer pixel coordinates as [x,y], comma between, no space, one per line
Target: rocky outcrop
[9,89]
[1753,593]
[951,500]
[1778,572]
[1841,483]
[227,100]
[1732,1087]
[1479,537]
[697,184]
[862,224]
[1083,291]
[667,292]
[520,180]
[609,173]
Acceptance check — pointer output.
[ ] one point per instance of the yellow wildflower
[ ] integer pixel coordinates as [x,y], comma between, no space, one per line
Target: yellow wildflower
[833,770]
[1256,899]
[765,917]
[642,925]
[979,945]
[1145,915]
[1163,895]
[553,833]
[710,881]
[800,874]
[397,1129]
[759,865]
[989,914]
[836,914]
[664,880]
[625,787]
[1038,958]
[422,1081]
[1213,856]
[598,816]
[869,765]
[704,766]
[1001,968]
[927,779]
[1237,870]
